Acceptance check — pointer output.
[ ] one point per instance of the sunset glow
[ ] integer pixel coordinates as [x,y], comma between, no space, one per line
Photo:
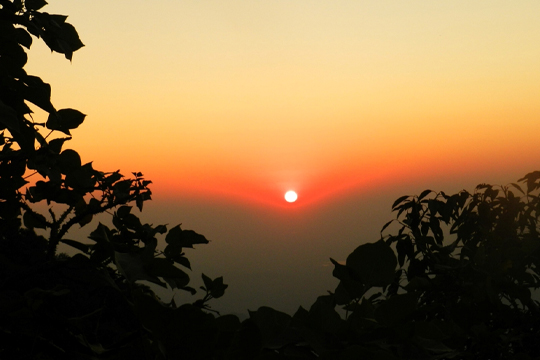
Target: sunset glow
[227,105]
[269,94]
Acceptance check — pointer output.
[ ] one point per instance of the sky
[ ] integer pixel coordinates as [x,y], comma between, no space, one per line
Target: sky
[226,105]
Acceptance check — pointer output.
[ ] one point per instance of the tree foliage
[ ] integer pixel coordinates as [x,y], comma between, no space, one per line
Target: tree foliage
[455,278]
[91,304]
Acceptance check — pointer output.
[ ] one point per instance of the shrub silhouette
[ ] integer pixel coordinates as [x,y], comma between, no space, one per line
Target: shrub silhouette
[89,305]
[454,279]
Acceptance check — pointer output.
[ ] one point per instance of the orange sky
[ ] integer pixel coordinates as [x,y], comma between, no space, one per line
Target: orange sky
[242,100]
[248,99]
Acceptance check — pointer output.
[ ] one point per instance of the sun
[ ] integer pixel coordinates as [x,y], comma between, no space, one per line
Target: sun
[291,196]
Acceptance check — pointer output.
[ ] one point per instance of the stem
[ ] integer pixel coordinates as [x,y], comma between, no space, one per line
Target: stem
[76,219]
[54,239]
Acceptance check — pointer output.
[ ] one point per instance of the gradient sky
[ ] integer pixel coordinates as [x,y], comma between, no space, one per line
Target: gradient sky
[225,105]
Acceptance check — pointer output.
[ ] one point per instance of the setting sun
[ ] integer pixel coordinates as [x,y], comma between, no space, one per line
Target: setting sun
[291,196]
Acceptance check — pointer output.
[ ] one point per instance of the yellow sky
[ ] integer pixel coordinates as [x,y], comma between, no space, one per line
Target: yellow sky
[253,97]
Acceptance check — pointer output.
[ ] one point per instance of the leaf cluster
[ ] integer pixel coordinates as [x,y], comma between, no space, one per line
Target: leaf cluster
[91,305]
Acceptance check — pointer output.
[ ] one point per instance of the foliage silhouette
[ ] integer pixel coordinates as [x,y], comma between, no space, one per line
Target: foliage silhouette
[453,280]
[89,305]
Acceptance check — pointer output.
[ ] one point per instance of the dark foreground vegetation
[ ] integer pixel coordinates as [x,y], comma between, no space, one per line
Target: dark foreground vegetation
[454,279]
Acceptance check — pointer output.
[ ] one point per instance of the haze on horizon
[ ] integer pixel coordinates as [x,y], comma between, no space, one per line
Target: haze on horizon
[227,105]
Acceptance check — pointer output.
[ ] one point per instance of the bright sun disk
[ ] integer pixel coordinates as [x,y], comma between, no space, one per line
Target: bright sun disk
[291,196]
